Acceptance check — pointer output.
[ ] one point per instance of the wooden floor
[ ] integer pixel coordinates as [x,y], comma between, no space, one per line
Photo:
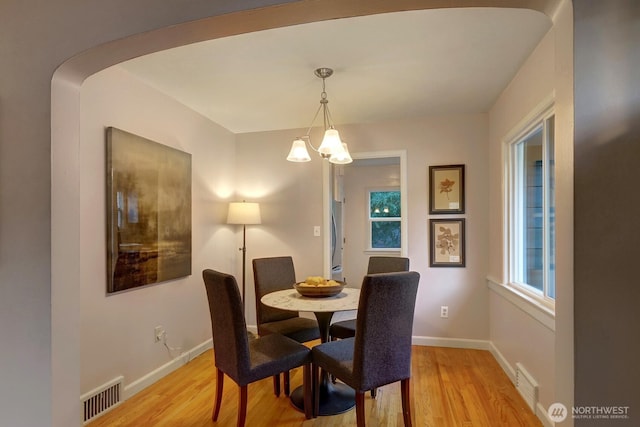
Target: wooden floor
[450,388]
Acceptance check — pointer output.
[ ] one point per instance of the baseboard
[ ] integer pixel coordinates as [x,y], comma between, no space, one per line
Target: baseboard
[164,370]
[543,416]
[451,342]
[504,364]
[541,411]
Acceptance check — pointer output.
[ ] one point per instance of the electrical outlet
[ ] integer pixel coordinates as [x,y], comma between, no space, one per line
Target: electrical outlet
[158,332]
[444,311]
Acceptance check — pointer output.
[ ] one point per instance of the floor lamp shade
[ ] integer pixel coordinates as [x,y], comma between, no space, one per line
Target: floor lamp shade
[244,213]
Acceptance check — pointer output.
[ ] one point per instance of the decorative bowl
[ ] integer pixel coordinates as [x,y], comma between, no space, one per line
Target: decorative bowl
[319,291]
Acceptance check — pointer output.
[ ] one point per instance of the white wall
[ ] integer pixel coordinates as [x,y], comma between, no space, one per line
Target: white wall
[292,198]
[441,140]
[117,329]
[515,334]
[529,336]
[534,82]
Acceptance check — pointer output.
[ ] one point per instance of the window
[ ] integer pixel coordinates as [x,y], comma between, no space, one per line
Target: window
[531,194]
[384,219]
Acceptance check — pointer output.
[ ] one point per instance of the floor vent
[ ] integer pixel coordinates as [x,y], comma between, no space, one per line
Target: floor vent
[101,399]
[527,386]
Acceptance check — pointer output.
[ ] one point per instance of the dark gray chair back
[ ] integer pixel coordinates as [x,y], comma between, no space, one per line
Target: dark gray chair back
[243,360]
[269,275]
[387,264]
[227,324]
[382,348]
[377,264]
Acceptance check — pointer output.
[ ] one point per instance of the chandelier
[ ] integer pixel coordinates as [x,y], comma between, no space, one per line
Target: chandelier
[332,147]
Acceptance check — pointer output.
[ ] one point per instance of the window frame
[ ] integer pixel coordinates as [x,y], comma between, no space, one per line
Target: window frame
[515,192]
[371,220]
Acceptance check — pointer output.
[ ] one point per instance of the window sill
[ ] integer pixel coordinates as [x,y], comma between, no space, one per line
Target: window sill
[382,250]
[534,308]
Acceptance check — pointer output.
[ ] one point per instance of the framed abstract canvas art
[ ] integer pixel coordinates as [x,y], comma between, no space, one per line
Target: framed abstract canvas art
[148,211]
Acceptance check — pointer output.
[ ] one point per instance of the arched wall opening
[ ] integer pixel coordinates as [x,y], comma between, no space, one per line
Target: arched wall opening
[65,134]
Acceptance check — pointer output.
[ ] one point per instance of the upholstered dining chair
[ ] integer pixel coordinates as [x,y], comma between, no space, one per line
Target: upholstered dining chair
[275,274]
[246,361]
[380,352]
[377,264]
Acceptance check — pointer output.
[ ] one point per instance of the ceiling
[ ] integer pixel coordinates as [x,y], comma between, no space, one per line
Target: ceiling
[386,67]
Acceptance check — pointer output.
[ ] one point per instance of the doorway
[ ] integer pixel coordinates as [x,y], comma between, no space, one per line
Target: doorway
[347,205]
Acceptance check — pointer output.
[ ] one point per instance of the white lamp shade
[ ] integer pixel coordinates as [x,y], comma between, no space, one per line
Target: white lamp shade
[298,152]
[244,213]
[342,157]
[331,142]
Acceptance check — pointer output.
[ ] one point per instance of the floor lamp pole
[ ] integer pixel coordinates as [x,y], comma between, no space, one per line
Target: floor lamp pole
[244,264]
[243,213]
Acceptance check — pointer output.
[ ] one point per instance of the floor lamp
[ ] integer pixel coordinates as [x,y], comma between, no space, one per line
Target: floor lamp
[245,214]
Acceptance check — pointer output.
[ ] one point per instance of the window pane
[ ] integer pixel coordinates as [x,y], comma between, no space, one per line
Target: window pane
[384,204]
[385,234]
[532,209]
[533,232]
[551,209]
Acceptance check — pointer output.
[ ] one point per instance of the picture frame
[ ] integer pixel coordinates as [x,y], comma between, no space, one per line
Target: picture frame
[446,189]
[148,211]
[447,242]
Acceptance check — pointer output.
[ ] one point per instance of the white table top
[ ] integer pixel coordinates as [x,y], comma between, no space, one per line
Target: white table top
[290,299]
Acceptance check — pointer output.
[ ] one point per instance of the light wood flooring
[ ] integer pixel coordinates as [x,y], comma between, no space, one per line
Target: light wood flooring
[450,388]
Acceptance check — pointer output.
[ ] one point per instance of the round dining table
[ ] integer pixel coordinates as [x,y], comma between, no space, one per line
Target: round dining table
[334,398]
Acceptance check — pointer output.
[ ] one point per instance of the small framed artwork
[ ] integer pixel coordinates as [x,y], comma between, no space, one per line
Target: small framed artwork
[447,242]
[446,189]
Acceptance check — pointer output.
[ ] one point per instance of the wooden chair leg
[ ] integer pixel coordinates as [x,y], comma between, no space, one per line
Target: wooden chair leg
[242,407]
[218,401]
[276,385]
[307,391]
[285,374]
[406,401]
[360,421]
[315,382]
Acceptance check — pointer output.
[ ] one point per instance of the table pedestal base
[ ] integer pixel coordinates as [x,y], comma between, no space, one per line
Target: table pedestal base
[334,399]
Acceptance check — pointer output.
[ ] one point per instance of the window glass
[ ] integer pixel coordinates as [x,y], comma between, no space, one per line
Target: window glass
[532,231]
[532,210]
[551,207]
[384,219]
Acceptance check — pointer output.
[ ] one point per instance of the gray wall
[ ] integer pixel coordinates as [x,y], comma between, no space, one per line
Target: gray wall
[607,206]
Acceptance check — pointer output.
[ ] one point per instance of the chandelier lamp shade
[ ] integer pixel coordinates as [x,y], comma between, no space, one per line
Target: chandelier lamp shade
[332,147]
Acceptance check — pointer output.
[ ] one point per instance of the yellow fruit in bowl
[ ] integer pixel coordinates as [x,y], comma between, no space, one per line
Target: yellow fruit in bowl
[314,281]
